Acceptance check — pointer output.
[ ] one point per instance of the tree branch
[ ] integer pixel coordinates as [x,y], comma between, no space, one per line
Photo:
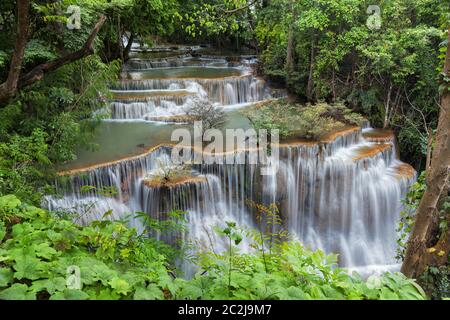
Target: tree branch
[39,71]
[128,47]
[240,8]
[8,89]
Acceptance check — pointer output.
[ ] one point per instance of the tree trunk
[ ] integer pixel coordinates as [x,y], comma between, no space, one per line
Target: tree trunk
[333,85]
[9,88]
[290,51]
[387,107]
[310,85]
[429,148]
[425,248]
[128,47]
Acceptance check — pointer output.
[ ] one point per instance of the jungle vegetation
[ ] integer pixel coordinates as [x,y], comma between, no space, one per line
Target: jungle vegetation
[393,69]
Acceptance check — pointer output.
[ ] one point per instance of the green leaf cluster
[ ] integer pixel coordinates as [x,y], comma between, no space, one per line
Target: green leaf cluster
[302,121]
[39,251]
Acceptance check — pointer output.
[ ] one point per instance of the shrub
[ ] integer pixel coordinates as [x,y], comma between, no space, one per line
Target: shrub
[37,250]
[302,121]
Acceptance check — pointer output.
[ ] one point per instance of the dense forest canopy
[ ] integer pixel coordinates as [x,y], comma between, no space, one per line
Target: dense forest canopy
[388,62]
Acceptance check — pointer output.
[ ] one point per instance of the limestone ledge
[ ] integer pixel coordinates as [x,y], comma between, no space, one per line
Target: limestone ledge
[332,136]
[156,93]
[235,77]
[173,119]
[370,151]
[110,163]
[379,135]
[173,182]
[404,170]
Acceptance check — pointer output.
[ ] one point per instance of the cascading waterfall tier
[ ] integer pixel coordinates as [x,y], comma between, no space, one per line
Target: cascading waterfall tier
[227,91]
[215,78]
[173,62]
[342,194]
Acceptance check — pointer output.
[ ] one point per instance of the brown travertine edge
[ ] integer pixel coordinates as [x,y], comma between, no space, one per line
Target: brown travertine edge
[145,95]
[370,151]
[174,182]
[107,164]
[379,135]
[404,170]
[174,119]
[297,142]
[241,76]
[330,137]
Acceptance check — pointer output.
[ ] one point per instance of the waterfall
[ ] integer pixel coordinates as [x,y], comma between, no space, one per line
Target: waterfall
[341,194]
[143,110]
[244,89]
[87,209]
[137,98]
[173,62]
[345,204]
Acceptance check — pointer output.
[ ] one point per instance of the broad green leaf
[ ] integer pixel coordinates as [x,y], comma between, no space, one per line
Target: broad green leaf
[70,294]
[28,268]
[51,285]
[191,291]
[107,294]
[387,294]
[6,276]
[43,250]
[152,292]
[17,292]
[120,286]
[292,293]
[9,202]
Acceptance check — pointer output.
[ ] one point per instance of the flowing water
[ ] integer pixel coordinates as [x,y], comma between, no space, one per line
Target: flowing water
[342,194]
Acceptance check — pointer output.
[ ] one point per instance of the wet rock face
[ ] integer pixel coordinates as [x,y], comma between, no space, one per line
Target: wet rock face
[161,196]
[173,182]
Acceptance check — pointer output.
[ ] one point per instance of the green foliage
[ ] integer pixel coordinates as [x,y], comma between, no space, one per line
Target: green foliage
[47,122]
[39,251]
[22,162]
[387,73]
[437,281]
[37,52]
[232,18]
[302,121]
[294,273]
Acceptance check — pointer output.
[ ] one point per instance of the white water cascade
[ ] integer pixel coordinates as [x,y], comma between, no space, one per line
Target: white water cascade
[224,83]
[342,195]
